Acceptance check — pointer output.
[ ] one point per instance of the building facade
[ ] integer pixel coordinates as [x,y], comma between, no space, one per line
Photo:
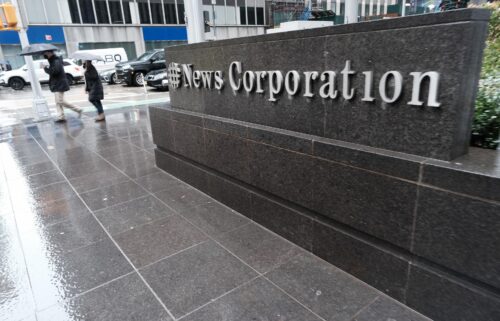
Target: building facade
[135,25]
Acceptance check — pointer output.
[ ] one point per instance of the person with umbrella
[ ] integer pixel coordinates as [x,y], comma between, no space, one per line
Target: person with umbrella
[93,87]
[58,84]
[93,84]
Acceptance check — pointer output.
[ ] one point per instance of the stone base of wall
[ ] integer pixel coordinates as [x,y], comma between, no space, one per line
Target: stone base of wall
[423,231]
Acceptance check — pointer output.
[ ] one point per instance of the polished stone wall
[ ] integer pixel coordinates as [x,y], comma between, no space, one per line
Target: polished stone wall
[450,43]
[422,230]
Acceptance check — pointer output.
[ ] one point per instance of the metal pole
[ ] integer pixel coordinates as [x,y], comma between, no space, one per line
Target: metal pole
[213,13]
[195,24]
[40,107]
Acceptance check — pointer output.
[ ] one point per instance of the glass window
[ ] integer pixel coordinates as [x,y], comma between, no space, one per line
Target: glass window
[260,16]
[127,9]
[11,54]
[156,11]
[101,9]
[36,14]
[243,16]
[144,11]
[115,9]
[170,16]
[73,10]
[180,9]
[87,11]
[251,15]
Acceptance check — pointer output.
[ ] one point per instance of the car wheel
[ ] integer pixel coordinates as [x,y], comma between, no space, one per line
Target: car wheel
[139,79]
[113,79]
[71,81]
[16,83]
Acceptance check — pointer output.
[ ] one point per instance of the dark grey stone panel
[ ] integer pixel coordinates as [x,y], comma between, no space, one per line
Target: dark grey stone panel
[166,162]
[434,132]
[162,128]
[383,161]
[281,172]
[460,233]
[226,126]
[443,299]
[377,267]
[189,141]
[376,204]
[281,138]
[480,169]
[186,117]
[283,220]
[423,131]
[191,174]
[227,154]
[229,193]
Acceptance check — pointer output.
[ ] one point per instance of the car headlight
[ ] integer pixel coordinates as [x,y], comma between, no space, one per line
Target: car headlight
[161,75]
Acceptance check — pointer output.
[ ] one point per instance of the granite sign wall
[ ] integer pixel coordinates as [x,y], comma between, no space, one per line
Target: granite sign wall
[339,139]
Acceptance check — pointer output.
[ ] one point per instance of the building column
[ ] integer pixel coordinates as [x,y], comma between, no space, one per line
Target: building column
[351,11]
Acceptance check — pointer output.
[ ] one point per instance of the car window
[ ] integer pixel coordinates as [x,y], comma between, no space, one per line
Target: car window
[65,63]
[160,56]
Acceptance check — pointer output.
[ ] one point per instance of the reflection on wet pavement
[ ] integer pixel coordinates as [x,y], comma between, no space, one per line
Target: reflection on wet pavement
[91,229]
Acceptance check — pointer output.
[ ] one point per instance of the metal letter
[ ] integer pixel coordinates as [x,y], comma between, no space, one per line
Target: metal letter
[260,75]
[328,89]
[249,81]
[310,76]
[219,80]
[197,78]
[346,93]
[275,83]
[398,86]
[368,86]
[295,81]
[433,88]
[187,75]
[237,65]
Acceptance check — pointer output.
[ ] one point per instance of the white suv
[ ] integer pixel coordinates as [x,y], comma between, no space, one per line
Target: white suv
[18,78]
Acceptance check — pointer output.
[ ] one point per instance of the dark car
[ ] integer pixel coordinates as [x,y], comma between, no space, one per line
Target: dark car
[158,79]
[132,72]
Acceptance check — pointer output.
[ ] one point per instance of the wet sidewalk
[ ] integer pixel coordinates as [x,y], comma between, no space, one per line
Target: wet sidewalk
[90,229]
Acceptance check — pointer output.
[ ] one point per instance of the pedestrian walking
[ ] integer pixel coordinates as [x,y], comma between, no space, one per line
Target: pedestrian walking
[59,84]
[93,87]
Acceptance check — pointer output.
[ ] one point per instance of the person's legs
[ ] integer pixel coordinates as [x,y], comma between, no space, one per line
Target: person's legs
[98,106]
[59,106]
[100,110]
[66,104]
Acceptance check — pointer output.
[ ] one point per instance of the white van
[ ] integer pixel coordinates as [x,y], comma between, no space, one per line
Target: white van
[111,57]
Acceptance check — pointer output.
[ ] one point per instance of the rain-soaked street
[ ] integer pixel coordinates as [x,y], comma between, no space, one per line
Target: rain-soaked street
[91,229]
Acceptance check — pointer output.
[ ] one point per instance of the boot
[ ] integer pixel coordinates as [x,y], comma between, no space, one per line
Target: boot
[100,117]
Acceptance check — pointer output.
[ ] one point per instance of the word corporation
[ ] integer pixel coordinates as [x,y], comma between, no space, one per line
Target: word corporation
[275,82]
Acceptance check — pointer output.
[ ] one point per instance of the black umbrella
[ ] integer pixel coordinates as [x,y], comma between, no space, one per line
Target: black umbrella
[37,48]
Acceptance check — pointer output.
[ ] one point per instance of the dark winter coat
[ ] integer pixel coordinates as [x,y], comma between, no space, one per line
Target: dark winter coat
[93,84]
[57,76]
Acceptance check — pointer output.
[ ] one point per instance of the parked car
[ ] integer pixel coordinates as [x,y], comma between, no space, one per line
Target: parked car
[132,72]
[18,78]
[109,76]
[157,79]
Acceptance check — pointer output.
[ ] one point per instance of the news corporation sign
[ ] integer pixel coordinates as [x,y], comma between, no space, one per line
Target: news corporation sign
[274,83]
